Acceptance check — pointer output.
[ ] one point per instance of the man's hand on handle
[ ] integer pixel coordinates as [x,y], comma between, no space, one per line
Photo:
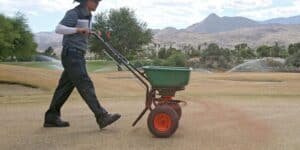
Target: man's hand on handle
[83,31]
[106,36]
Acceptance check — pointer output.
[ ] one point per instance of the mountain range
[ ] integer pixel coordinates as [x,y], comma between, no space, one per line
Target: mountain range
[215,24]
[225,31]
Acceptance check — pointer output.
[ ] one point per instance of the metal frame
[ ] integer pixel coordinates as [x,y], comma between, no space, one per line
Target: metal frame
[151,92]
[118,57]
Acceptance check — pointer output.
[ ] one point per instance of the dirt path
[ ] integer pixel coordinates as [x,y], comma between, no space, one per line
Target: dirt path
[237,111]
[206,124]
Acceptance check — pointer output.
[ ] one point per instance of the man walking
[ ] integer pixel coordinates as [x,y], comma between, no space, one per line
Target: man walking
[75,27]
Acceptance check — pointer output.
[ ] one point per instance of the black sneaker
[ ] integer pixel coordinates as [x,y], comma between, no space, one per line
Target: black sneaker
[56,123]
[107,119]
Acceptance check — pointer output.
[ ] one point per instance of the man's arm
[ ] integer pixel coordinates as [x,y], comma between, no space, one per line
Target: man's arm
[68,24]
[62,29]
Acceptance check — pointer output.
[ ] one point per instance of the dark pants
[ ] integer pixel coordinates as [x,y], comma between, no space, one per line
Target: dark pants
[74,75]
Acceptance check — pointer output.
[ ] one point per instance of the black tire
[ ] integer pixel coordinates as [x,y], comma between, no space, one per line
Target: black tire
[177,108]
[163,121]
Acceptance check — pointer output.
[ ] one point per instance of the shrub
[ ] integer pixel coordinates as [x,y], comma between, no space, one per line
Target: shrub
[294,60]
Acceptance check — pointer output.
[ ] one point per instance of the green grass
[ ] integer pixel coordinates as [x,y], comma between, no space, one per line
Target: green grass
[92,66]
[95,66]
[43,65]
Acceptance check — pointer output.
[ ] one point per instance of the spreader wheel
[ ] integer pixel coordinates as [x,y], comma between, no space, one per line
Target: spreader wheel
[163,121]
[177,108]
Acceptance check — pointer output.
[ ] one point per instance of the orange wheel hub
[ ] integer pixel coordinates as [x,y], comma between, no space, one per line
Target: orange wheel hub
[162,122]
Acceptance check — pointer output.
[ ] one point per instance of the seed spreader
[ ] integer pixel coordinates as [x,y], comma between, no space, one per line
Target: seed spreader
[161,84]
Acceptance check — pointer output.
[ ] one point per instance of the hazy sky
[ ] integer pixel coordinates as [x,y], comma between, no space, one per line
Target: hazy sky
[43,15]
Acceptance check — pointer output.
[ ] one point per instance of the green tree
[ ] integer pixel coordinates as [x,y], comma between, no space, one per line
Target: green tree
[7,36]
[24,45]
[243,51]
[264,51]
[16,39]
[294,48]
[278,51]
[177,59]
[162,53]
[294,60]
[172,51]
[272,51]
[128,33]
[275,50]
[192,52]
[216,57]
